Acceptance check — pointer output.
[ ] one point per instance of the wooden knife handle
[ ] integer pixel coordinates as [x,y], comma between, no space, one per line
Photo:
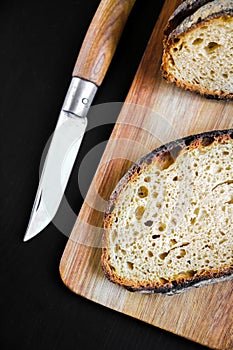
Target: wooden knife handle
[101,40]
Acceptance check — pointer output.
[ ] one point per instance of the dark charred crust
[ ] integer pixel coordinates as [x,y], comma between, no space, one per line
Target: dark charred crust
[176,151]
[189,140]
[181,30]
[208,96]
[207,140]
[187,8]
[177,286]
[111,207]
[214,97]
[158,156]
[166,159]
[174,286]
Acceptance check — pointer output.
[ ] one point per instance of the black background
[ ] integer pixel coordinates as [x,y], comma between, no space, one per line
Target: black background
[39,42]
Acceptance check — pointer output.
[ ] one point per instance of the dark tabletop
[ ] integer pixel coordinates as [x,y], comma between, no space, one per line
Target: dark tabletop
[39,42]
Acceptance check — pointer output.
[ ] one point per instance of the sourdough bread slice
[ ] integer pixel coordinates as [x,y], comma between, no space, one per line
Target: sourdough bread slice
[198,52]
[169,223]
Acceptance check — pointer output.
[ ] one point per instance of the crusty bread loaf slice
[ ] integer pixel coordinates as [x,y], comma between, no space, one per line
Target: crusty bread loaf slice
[169,224]
[198,52]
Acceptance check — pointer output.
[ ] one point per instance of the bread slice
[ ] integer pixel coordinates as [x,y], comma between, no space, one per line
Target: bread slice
[198,52]
[169,223]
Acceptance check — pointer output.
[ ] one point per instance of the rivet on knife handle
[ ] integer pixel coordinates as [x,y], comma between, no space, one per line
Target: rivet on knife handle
[95,56]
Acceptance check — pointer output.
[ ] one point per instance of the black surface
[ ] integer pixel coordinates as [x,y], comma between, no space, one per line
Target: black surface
[39,42]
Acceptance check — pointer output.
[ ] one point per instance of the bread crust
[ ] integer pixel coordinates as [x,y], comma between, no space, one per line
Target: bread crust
[163,156]
[204,16]
[186,8]
[209,9]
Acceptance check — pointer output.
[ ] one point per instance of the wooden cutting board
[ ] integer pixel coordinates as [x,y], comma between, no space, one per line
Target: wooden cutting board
[154,113]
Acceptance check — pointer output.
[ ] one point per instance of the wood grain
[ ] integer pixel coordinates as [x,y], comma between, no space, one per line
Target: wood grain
[154,113]
[101,40]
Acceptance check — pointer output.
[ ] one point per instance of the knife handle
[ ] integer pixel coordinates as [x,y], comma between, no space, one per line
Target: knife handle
[101,40]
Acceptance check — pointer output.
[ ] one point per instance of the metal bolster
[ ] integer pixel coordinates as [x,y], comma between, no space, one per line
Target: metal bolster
[79,97]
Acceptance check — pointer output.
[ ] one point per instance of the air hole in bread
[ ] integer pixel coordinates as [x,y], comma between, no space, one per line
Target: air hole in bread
[197,41]
[163,280]
[180,47]
[147,179]
[162,227]
[181,254]
[143,191]
[130,265]
[173,241]
[155,236]
[192,221]
[148,223]
[211,47]
[162,256]
[139,212]
[191,273]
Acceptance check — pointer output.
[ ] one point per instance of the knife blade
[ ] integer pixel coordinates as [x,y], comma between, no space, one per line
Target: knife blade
[90,68]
